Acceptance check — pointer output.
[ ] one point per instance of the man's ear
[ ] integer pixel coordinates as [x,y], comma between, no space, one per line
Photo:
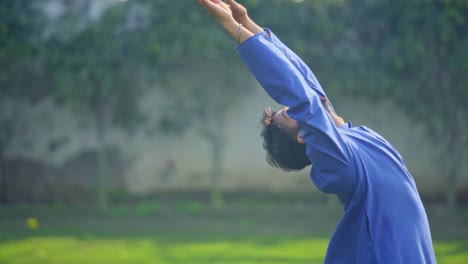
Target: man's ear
[299,137]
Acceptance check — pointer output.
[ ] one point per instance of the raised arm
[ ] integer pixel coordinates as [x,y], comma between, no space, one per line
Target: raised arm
[286,85]
[241,15]
[222,12]
[327,148]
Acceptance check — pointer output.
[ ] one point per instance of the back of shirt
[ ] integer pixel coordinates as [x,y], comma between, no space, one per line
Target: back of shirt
[384,219]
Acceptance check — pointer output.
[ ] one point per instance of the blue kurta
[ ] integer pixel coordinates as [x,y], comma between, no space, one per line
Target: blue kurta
[384,219]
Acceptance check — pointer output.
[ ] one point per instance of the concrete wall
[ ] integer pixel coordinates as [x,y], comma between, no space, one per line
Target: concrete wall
[183,161]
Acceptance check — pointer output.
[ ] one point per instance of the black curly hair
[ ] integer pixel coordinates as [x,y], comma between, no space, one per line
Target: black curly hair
[282,148]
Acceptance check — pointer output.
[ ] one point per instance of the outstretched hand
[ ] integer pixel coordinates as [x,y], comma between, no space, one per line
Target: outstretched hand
[220,10]
[223,13]
[239,12]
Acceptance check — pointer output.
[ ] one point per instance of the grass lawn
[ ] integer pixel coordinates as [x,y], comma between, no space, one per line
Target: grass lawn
[163,249]
[260,235]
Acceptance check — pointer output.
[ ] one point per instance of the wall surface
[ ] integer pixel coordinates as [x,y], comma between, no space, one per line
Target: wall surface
[159,162]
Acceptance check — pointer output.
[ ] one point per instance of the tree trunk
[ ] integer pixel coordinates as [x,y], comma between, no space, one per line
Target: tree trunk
[449,130]
[452,166]
[450,169]
[216,170]
[451,194]
[3,178]
[102,193]
[216,138]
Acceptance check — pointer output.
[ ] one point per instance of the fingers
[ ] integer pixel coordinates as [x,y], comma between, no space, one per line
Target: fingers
[324,101]
[220,10]
[214,4]
[236,7]
[233,3]
[210,5]
[206,3]
[327,106]
[267,116]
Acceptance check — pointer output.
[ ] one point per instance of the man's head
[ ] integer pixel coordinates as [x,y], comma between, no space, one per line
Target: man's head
[282,140]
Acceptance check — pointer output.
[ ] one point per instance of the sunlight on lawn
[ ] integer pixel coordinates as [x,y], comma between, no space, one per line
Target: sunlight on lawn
[146,250]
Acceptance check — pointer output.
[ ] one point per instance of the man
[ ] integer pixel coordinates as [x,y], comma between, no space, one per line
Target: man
[384,219]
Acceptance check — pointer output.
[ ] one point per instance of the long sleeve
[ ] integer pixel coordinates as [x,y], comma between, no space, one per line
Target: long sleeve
[298,63]
[327,148]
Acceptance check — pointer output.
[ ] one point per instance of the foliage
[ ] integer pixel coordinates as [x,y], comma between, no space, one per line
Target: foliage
[417,49]
[98,76]
[410,52]
[19,48]
[19,66]
[94,73]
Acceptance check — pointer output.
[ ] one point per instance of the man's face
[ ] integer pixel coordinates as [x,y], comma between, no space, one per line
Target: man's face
[282,119]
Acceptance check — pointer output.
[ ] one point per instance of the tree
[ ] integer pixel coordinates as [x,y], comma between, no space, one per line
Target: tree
[207,94]
[19,65]
[410,52]
[102,67]
[200,81]
[419,50]
[98,76]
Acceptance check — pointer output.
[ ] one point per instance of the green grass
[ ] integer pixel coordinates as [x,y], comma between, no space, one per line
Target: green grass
[161,250]
[193,234]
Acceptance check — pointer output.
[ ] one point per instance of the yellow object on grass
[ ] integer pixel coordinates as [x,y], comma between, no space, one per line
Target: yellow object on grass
[32,223]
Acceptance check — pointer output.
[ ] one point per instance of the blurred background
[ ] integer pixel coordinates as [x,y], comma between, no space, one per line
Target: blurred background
[130,133]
